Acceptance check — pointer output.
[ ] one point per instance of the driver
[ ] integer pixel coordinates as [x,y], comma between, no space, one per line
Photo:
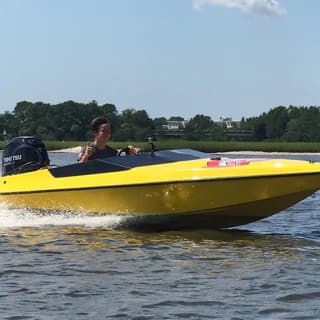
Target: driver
[101,130]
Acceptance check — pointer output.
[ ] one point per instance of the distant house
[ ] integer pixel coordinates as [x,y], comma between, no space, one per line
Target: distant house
[228,123]
[174,125]
[233,131]
[174,128]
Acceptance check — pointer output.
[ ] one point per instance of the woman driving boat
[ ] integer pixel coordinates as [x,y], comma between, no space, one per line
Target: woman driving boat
[99,148]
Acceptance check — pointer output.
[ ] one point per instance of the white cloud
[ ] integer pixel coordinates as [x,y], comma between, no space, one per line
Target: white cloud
[259,7]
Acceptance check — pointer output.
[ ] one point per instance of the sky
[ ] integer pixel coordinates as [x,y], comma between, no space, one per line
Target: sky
[220,58]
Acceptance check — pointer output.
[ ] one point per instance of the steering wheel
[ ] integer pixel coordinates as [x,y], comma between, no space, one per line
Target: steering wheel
[125,150]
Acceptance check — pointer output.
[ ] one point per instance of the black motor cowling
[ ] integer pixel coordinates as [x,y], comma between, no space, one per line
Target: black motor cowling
[22,154]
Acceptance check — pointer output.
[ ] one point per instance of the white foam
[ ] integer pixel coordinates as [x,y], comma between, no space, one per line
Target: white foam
[17,218]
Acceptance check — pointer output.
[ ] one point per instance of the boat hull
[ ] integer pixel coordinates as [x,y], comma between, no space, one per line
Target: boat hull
[216,219]
[216,203]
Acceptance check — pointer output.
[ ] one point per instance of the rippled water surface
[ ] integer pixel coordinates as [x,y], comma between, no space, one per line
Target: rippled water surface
[62,266]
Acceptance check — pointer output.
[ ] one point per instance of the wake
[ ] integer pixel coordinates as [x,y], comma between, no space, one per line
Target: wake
[18,218]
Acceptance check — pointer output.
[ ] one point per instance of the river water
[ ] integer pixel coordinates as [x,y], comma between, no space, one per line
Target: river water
[60,266]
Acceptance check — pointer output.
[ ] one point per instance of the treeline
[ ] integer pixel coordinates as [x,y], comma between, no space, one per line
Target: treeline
[71,121]
[289,124]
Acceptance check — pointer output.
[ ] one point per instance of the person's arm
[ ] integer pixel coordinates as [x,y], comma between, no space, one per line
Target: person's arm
[85,154]
[129,150]
[133,150]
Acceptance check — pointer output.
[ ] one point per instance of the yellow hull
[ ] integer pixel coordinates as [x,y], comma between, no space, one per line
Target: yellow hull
[185,193]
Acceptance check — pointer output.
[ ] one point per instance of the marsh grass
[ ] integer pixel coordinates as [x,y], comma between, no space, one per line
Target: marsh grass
[205,146]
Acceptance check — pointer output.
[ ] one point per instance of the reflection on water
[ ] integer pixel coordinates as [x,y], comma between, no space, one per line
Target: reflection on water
[81,271]
[33,226]
[59,266]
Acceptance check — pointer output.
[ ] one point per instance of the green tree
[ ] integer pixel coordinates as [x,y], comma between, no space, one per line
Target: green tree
[276,122]
[135,125]
[159,122]
[198,128]
[304,124]
[8,125]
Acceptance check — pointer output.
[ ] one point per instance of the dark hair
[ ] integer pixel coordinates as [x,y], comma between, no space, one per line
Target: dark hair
[97,122]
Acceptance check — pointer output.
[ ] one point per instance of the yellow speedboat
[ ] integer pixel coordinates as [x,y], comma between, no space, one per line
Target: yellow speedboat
[166,189]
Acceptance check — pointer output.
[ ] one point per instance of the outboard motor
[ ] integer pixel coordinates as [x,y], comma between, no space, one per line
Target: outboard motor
[22,154]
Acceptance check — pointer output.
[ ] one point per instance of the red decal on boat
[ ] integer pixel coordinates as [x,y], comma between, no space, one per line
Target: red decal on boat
[227,163]
[231,162]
